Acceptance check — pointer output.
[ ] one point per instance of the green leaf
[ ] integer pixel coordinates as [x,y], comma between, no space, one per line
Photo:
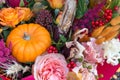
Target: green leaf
[62,38]
[56,12]
[6,33]
[28,0]
[119,60]
[115,15]
[1,6]
[45,2]
[21,3]
[81,8]
[30,5]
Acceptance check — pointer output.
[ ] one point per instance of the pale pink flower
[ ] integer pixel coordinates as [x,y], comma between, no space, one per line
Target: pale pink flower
[93,53]
[50,67]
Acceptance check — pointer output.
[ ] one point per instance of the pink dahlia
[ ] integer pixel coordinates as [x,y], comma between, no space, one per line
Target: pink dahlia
[50,67]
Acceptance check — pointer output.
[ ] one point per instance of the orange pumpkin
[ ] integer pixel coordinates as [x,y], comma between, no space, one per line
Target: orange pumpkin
[28,41]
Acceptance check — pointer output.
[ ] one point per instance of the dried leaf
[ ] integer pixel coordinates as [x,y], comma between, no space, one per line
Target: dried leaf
[100,40]
[1,30]
[85,39]
[67,16]
[111,35]
[73,76]
[108,30]
[97,31]
[115,20]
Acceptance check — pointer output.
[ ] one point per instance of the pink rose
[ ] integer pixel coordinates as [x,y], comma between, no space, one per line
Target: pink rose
[50,67]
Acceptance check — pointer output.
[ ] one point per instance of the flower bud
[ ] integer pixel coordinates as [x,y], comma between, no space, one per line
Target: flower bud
[56,3]
[59,17]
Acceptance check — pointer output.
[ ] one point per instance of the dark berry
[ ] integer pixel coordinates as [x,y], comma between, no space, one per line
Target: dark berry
[116,8]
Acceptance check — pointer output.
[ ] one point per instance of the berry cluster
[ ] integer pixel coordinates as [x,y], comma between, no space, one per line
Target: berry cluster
[97,23]
[71,65]
[52,49]
[105,19]
[108,15]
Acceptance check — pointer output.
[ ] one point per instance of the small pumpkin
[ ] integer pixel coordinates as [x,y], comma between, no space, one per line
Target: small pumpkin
[28,41]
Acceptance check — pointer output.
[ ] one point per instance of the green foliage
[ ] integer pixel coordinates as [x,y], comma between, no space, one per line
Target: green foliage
[6,32]
[81,8]
[60,42]
[21,3]
[30,5]
[1,6]
[114,3]
[56,11]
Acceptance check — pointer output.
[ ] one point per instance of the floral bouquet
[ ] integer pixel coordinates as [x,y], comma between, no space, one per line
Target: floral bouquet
[58,39]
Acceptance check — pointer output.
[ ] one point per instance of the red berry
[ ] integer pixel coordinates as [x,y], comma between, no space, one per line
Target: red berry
[72,62]
[74,65]
[68,65]
[100,21]
[96,23]
[70,69]
[109,17]
[100,24]
[49,51]
[110,11]
[103,23]
[54,48]
[116,8]
[51,47]
[106,20]
[93,23]
[106,14]
[110,14]
[56,51]
[107,11]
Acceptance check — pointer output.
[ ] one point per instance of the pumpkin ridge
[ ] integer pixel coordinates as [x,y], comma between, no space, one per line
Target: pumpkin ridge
[26,59]
[21,56]
[34,31]
[15,49]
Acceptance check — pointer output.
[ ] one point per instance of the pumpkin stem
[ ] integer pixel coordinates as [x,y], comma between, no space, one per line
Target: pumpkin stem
[26,36]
